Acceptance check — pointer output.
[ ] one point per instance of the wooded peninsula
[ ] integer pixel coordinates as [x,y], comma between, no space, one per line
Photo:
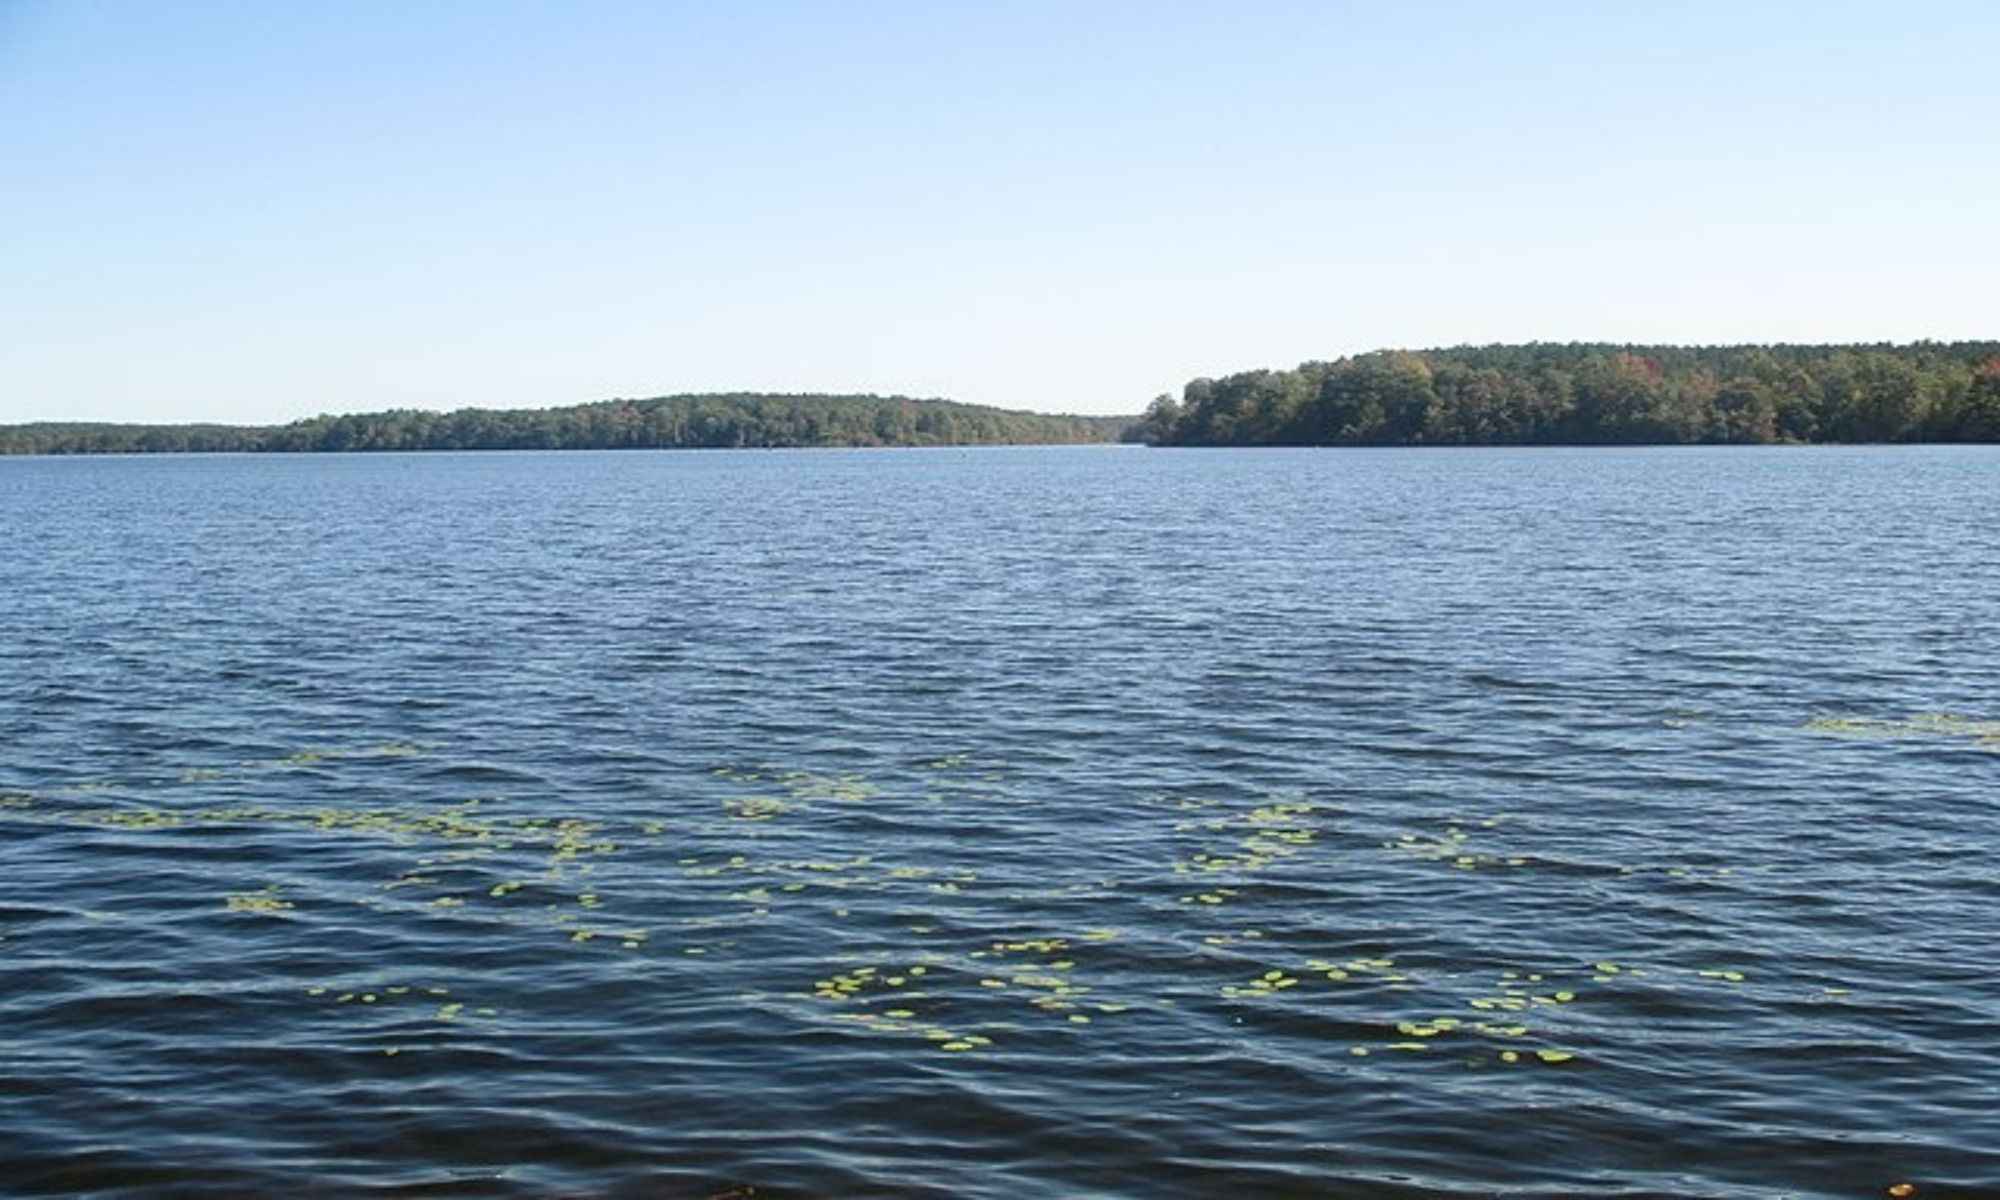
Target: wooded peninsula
[1539,394]
[735,420]
[1587,394]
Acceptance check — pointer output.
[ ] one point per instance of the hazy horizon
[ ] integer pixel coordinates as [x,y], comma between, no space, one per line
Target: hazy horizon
[227,213]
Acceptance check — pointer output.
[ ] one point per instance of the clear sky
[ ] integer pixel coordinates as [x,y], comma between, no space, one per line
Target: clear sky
[258,211]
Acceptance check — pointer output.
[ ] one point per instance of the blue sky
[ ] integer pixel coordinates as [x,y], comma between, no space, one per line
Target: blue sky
[259,211]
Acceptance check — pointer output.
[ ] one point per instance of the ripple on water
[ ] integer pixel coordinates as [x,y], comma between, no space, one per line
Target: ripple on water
[847,824]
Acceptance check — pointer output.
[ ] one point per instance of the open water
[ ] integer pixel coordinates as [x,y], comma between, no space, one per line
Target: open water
[1002,823]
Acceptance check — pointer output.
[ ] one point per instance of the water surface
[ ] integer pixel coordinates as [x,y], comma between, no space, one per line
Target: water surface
[1002,823]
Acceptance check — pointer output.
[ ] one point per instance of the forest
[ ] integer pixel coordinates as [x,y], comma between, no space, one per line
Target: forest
[1597,394]
[1534,394]
[667,422]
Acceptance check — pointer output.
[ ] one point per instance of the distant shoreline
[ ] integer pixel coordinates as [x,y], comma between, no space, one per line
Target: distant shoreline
[774,449]
[1598,394]
[1534,394]
[732,421]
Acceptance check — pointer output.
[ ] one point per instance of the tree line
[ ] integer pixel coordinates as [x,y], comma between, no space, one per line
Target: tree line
[1597,394]
[1535,394]
[733,420]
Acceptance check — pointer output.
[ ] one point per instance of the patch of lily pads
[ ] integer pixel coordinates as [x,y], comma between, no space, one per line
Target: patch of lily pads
[1980,732]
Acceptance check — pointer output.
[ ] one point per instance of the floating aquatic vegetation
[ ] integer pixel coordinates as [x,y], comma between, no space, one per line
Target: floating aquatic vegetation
[1360,969]
[311,755]
[264,902]
[1050,986]
[1515,991]
[1049,992]
[1984,733]
[387,995]
[140,819]
[1226,939]
[1696,872]
[852,983]
[807,786]
[566,839]
[1267,984]
[755,808]
[802,787]
[574,838]
[1419,1034]
[1551,1057]
[855,988]
[1267,834]
[1451,847]
[1068,989]
[1356,970]
[1029,946]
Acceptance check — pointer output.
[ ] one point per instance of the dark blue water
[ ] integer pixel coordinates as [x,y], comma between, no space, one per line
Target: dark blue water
[1002,824]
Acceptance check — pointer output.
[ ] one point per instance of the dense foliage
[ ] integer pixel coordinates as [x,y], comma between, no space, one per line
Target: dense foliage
[1543,394]
[666,422]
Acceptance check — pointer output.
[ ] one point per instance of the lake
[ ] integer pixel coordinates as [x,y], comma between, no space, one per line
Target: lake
[1002,823]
